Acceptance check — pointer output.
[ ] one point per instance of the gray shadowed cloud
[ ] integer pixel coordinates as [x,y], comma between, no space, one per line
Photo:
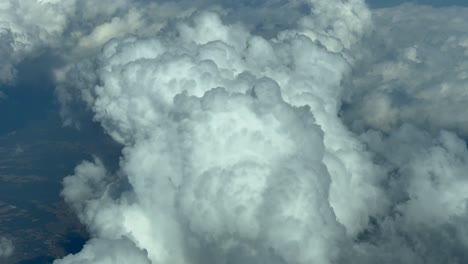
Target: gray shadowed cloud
[415,71]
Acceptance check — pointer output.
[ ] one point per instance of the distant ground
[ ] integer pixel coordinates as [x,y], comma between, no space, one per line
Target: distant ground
[36,152]
[32,213]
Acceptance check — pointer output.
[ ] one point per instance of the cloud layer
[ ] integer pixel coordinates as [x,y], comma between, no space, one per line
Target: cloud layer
[232,148]
[416,71]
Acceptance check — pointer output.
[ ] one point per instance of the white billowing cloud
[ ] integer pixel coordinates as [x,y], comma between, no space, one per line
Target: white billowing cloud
[101,251]
[115,28]
[6,247]
[337,24]
[107,20]
[224,160]
[417,66]
[89,182]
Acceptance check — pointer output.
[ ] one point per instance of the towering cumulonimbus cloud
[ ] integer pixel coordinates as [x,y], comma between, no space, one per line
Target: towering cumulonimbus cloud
[6,247]
[233,146]
[235,141]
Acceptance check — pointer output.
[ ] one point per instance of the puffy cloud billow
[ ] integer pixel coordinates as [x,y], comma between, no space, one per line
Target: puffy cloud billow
[305,131]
